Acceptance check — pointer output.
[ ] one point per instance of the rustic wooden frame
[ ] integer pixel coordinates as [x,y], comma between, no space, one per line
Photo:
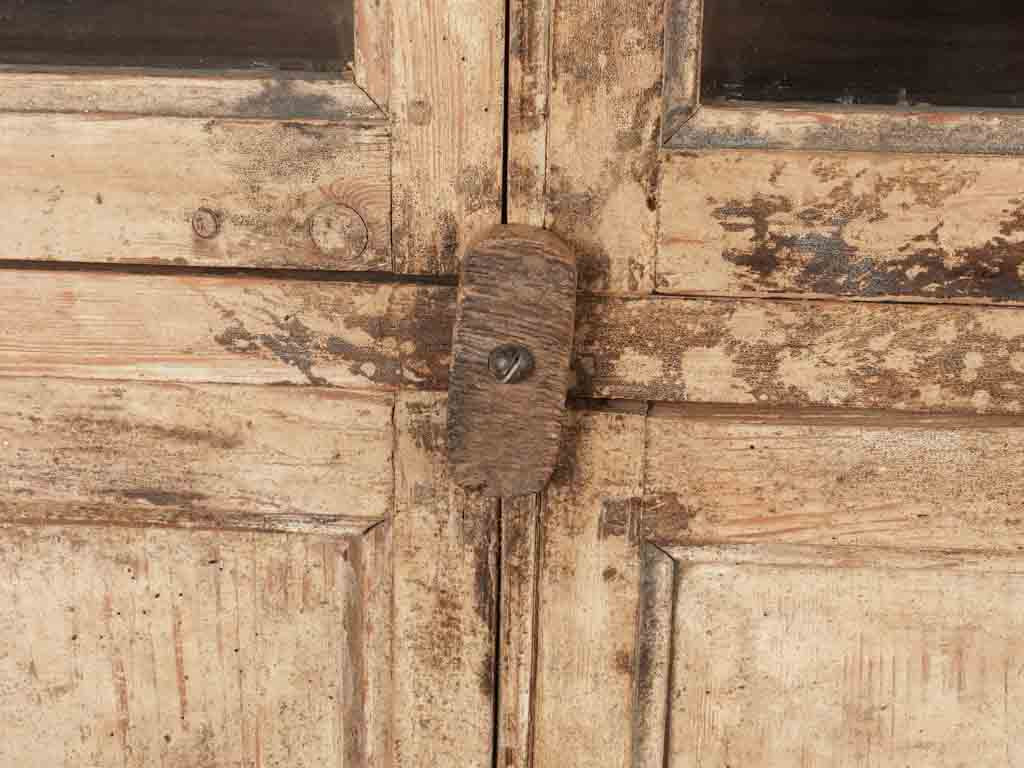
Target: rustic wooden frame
[689,125]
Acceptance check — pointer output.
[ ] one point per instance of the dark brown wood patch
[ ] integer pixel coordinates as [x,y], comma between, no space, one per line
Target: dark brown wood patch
[518,287]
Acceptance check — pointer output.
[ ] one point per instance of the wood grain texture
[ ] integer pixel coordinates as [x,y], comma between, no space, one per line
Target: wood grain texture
[447,97]
[935,483]
[118,189]
[604,128]
[840,128]
[217,457]
[126,647]
[858,225]
[374,43]
[289,96]
[683,45]
[224,329]
[529,80]
[655,635]
[445,546]
[588,600]
[786,353]
[517,286]
[860,666]
[520,572]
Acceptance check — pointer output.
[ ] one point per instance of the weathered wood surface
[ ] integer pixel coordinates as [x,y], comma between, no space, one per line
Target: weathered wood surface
[859,225]
[587,610]
[386,336]
[284,95]
[374,49]
[224,329]
[116,189]
[529,78]
[447,97]
[861,666]
[788,353]
[517,286]
[517,649]
[603,124]
[445,548]
[205,456]
[127,647]
[937,483]
[851,129]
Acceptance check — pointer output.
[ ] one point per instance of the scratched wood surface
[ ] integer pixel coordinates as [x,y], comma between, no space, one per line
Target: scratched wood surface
[587,595]
[824,477]
[446,107]
[517,658]
[175,93]
[224,329]
[923,357]
[445,549]
[854,225]
[127,647]
[893,667]
[141,454]
[275,194]
[529,78]
[603,127]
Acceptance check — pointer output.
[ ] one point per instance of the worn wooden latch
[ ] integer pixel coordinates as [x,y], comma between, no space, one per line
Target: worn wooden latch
[511,354]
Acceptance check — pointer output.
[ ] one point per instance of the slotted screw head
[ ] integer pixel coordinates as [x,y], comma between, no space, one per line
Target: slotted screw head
[510,363]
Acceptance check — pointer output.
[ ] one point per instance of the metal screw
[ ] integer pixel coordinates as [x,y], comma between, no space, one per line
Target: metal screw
[205,223]
[510,363]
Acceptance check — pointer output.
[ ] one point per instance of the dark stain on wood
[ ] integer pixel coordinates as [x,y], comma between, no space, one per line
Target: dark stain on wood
[827,264]
[665,514]
[619,518]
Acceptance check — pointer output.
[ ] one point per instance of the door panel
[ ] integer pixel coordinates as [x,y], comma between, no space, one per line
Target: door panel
[135,647]
[228,535]
[784,528]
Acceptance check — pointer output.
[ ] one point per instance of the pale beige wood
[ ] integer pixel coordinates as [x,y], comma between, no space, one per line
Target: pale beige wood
[839,128]
[858,225]
[188,455]
[517,659]
[373,49]
[775,353]
[930,483]
[447,97]
[125,647]
[529,79]
[224,329]
[445,554]
[289,96]
[587,644]
[604,130]
[127,189]
[843,666]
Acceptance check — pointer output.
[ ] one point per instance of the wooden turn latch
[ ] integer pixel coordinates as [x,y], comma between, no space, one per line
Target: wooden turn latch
[511,356]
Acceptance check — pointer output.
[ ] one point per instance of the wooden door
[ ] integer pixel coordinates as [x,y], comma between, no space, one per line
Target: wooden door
[227,532]
[785,529]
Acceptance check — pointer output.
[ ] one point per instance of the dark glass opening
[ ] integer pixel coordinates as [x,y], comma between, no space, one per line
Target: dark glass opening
[289,34]
[967,53]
